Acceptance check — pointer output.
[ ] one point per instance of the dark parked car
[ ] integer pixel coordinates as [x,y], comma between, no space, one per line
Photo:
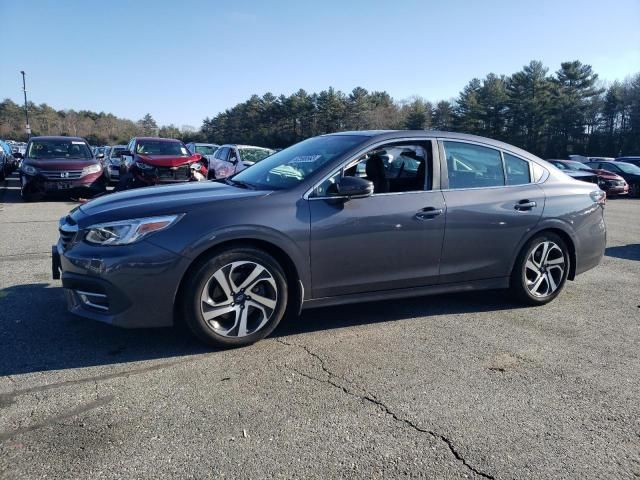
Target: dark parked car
[231,159]
[152,161]
[307,227]
[60,164]
[8,161]
[609,182]
[632,160]
[628,171]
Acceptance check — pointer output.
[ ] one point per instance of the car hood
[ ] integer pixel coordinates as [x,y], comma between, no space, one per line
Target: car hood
[59,163]
[608,175]
[168,160]
[160,200]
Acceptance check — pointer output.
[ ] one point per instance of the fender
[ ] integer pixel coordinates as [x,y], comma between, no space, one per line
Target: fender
[550,224]
[297,251]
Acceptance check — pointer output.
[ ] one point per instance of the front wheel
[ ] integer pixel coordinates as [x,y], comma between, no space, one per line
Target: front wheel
[235,298]
[541,269]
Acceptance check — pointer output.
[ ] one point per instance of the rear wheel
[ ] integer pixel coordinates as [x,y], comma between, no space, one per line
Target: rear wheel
[541,269]
[235,298]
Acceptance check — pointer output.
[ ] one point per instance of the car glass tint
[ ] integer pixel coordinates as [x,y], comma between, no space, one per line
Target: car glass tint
[254,155]
[517,170]
[205,149]
[152,147]
[48,149]
[473,166]
[291,166]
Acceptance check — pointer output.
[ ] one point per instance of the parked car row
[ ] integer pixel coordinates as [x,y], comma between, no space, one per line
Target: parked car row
[620,176]
[8,160]
[70,164]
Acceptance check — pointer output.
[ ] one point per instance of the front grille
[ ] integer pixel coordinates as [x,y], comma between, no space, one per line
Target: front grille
[62,174]
[174,173]
[68,231]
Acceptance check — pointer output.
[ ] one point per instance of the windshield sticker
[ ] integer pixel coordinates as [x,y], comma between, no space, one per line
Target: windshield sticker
[305,158]
[77,143]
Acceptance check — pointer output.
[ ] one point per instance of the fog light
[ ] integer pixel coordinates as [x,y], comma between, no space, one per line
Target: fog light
[93,300]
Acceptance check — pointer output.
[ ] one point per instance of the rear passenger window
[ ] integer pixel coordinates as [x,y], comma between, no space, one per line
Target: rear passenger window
[473,166]
[517,170]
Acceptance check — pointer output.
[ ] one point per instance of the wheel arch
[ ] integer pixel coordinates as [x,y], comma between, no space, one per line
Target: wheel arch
[294,280]
[562,232]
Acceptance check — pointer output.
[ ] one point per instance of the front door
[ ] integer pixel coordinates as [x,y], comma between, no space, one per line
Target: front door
[390,240]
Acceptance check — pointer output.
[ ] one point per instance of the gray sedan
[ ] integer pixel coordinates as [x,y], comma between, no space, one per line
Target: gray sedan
[341,218]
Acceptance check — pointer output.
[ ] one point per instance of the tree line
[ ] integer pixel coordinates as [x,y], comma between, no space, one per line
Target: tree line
[549,114]
[97,128]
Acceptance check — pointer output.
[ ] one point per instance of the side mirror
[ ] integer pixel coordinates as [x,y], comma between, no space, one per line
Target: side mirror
[18,155]
[233,160]
[352,187]
[100,156]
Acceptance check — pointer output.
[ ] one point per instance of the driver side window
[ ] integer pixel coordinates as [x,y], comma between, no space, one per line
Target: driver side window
[392,168]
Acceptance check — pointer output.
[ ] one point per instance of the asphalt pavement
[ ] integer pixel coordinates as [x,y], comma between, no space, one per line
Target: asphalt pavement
[453,386]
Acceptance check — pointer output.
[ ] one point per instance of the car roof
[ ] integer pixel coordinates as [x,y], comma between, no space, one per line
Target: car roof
[160,139]
[59,137]
[400,134]
[239,145]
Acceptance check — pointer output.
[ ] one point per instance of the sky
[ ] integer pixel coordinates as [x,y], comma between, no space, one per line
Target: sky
[186,60]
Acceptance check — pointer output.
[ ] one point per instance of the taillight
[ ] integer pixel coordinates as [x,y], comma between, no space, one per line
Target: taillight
[598,196]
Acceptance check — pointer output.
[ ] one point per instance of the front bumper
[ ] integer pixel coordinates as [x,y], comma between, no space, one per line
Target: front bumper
[39,183]
[617,190]
[132,286]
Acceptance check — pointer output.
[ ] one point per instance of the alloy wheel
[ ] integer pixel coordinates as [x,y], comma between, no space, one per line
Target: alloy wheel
[239,299]
[544,269]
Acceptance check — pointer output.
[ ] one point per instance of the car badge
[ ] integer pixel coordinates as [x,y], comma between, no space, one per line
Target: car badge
[64,174]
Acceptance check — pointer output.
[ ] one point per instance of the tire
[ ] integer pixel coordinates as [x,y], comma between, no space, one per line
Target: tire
[634,190]
[526,282]
[125,182]
[215,284]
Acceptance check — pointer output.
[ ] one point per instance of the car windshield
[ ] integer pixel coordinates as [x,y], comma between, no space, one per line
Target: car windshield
[628,168]
[205,149]
[117,151]
[254,155]
[572,165]
[158,147]
[289,167]
[50,149]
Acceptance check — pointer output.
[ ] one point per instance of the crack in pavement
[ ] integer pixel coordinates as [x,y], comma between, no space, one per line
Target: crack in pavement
[371,398]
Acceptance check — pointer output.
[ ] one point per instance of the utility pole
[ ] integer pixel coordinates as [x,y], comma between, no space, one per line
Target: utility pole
[26,110]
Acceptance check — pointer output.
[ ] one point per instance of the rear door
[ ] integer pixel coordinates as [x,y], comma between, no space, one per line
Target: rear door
[491,205]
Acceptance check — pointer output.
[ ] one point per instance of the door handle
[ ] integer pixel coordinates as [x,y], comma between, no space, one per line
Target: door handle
[524,205]
[428,213]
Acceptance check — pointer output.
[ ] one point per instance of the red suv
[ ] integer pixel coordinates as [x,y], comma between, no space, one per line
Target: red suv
[60,164]
[153,161]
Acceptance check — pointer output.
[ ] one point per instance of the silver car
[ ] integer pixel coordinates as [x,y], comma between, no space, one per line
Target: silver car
[205,149]
[231,158]
[113,161]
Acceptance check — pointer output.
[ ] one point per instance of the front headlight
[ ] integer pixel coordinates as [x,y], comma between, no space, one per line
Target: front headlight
[144,166]
[91,169]
[125,232]
[29,170]
[196,166]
